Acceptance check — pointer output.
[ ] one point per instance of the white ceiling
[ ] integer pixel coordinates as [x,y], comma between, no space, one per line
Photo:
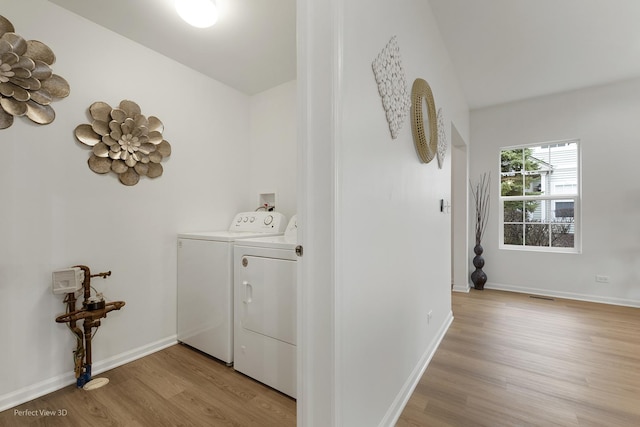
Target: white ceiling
[251,48]
[502,50]
[505,50]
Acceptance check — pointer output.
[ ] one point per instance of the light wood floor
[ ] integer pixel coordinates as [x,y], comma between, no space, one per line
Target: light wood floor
[177,386]
[507,360]
[512,360]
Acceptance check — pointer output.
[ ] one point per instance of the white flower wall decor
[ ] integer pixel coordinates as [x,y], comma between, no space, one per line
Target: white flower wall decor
[124,141]
[392,86]
[442,139]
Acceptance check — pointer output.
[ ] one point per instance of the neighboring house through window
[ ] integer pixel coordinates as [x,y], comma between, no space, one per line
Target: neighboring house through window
[540,197]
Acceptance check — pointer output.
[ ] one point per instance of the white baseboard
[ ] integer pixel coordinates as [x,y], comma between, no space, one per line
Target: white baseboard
[461,288]
[50,385]
[566,295]
[395,410]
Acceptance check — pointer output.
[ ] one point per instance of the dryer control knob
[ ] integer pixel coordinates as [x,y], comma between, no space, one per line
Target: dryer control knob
[268,220]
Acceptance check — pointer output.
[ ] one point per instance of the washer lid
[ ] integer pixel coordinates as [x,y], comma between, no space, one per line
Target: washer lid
[225,235]
[275,242]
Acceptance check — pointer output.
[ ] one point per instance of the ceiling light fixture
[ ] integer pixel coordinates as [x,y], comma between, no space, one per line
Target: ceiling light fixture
[199,13]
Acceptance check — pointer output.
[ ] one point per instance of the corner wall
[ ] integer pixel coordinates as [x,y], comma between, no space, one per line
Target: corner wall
[55,212]
[387,251]
[605,119]
[394,248]
[273,161]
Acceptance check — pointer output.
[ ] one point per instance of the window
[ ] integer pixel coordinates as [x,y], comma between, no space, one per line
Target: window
[564,210]
[540,197]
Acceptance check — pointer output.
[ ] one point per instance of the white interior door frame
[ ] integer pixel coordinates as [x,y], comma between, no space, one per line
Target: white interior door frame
[319,38]
[460,212]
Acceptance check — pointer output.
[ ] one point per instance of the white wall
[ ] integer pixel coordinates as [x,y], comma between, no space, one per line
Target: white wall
[605,119]
[273,161]
[55,212]
[388,247]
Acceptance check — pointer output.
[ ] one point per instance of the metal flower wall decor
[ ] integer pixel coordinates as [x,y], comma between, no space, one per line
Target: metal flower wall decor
[124,141]
[392,86]
[27,83]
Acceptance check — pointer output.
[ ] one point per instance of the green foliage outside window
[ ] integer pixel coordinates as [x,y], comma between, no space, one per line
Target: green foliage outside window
[522,177]
[518,178]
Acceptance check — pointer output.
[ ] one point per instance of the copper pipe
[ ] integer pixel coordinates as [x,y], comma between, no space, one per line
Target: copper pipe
[78,357]
[87,341]
[86,283]
[91,319]
[90,314]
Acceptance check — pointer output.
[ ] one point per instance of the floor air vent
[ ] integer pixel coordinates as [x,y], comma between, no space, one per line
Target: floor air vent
[541,297]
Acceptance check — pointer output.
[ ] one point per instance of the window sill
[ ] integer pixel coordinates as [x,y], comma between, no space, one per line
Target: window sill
[544,249]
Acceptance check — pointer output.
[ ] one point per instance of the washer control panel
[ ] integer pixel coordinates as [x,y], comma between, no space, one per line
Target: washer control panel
[259,221]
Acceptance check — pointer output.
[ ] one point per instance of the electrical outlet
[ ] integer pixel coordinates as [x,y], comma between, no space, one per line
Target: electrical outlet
[602,279]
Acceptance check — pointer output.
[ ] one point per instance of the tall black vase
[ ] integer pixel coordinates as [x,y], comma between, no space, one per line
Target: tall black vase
[478,277]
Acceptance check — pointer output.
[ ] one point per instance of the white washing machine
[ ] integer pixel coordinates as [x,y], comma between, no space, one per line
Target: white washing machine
[205,281]
[265,318]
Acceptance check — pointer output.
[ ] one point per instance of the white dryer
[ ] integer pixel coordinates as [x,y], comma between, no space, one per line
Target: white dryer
[265,317]
[205,281]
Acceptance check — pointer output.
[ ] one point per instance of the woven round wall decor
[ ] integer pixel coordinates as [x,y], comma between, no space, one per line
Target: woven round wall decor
[426,149]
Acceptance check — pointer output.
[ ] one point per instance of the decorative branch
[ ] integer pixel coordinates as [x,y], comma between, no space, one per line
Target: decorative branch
[480,193]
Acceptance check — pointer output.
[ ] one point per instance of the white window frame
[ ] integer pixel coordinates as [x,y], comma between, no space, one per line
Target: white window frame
[575,197]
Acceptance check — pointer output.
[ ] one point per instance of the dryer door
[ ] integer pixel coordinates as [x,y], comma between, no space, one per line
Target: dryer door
[267,288]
